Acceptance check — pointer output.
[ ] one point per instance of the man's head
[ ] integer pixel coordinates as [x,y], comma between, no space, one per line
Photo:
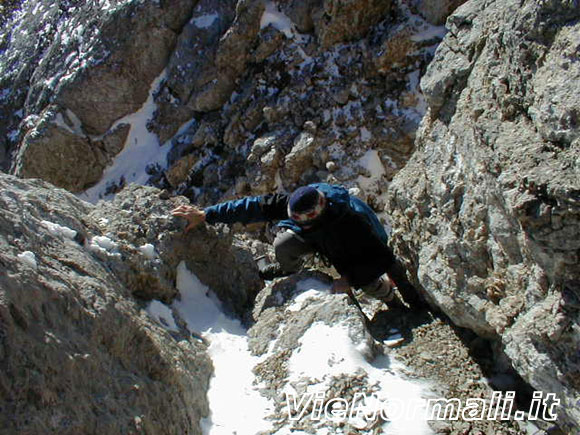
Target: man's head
[306,205]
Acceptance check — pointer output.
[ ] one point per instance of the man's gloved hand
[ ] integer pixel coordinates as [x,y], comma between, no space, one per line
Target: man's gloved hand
[340,285]
[194,215]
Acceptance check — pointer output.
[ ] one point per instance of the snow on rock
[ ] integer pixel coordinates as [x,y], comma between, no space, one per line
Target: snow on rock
[313,342]
[315,351]
[78,353]
[59,230]
[236,403]
[148,250]
[162,314]
[328,351]
[308,290]
[276,18]
[374,171]
[103,245]
[141,149]
[204,21]
[28,258]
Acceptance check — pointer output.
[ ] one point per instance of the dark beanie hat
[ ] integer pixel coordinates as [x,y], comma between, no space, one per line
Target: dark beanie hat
[306,204]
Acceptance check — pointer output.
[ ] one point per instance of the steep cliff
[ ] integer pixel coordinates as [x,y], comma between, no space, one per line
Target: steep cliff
[487,210]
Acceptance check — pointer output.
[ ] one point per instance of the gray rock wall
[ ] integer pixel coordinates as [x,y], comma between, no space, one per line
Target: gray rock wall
[236,72]
[78,61]
[78,352]
[487,210]
[323,84]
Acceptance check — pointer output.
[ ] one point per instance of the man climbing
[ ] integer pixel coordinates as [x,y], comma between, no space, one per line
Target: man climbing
[325,219]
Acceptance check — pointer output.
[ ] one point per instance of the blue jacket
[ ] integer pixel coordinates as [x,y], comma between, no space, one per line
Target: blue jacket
[348,234]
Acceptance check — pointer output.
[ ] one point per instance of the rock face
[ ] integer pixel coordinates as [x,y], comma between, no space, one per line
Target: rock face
[488,209]
[342,72]
[284,316]
[69,277]
[59,152]
[324,83]
[81,62]
[258,96]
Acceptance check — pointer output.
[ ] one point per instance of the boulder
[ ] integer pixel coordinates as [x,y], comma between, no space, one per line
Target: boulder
[265,159]
[142,218]
[55,149]
[82,59]
[300,156]
[75,285]
[487,210]
[64,313]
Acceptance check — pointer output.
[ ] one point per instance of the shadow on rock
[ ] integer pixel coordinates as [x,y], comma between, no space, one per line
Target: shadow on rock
[402,320]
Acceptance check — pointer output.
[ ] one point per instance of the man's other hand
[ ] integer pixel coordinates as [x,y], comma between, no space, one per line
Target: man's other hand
[194,215]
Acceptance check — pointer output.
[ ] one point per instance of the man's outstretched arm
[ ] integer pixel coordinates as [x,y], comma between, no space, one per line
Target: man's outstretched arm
[247,210]
[194,215]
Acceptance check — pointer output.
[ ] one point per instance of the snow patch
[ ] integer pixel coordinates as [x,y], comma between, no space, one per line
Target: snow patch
[103,245]
[328,351]
[28,258]
[235,402]
[280,21]
[371,162]
[324,351]
[309,289]
[148,250]
[59,230]
[162,314]
[204,21]
[272,16]
[141,149]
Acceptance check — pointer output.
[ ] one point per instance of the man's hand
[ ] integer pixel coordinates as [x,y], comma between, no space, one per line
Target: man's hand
[340,285]
[194,215]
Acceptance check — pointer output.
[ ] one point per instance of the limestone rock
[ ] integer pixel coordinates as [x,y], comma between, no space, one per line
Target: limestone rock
[266,158]
[487,210]
[300,156]
[74,281]
[143,218]
[83,59]
[301,13]
[58,151]
[241,70]
[284,314]
[223,33]
[344,20]
[64,314]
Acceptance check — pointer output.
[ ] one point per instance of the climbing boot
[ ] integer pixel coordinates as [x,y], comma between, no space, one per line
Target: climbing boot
[271,271]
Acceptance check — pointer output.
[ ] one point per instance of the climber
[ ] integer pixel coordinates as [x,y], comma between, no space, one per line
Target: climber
[324,219]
